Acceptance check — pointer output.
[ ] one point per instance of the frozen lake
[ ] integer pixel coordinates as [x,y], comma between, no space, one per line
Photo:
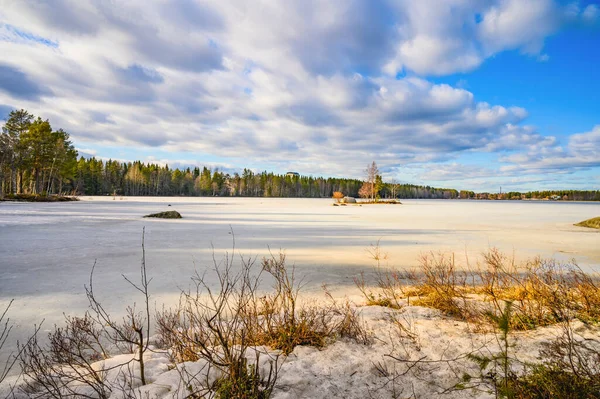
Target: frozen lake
[47,250]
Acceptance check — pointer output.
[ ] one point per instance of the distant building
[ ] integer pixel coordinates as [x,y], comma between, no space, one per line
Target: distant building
[292,174]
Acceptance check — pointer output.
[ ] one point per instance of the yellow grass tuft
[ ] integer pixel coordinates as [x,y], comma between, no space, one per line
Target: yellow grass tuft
[542,292]
[593,223]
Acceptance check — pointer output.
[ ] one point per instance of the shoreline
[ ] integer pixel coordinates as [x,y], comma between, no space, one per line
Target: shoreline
[389,201]
[38,198]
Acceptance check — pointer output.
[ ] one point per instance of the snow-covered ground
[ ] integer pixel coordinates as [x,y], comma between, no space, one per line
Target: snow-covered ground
[47,249]
[428,364]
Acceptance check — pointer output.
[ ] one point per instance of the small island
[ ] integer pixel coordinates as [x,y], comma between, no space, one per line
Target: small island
[165,215]
[370,190]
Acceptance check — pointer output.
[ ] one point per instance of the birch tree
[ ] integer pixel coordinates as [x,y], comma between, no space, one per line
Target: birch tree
[369,187]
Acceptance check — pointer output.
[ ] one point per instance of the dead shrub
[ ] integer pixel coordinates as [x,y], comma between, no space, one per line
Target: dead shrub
[285,324]
[219,325]
[575,354]
[170,327]
[64,367]
[5,328]
[390,284]
[436,284]
[69,364]
[351,326]
[224,325]
[586,296]
[391,290]
[442,286]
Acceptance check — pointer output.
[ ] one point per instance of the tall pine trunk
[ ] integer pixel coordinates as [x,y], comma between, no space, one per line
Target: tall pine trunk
[20,182]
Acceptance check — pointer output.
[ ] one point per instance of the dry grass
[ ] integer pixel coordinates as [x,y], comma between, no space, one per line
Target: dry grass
[437,284]
[285,324]
[593,223]
[391,288]
[442,286]
[276,319]
[543,292]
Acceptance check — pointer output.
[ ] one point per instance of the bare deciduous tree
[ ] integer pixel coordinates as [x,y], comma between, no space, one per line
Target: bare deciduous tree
[369,187]
[394,186]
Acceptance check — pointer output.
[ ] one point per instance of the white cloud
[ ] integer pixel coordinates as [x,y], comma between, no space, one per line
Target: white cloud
[591,13]
[440,38]
[517,24]
[456,171]
[302,83]
[582,151]
[586,143]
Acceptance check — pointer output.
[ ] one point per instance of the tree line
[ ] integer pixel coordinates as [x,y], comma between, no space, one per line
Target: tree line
[567,195]
[95,177]
[558,195]
[35,159]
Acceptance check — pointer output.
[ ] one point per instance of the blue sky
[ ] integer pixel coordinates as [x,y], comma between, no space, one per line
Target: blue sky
[470,94]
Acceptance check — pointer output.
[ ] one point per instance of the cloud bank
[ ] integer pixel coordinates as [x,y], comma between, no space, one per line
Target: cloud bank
[322,87]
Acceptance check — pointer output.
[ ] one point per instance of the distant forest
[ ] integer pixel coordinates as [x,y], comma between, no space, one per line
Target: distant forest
[94,177]
[34,159]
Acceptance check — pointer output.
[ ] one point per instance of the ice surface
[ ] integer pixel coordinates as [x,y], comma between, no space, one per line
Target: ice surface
[47,249]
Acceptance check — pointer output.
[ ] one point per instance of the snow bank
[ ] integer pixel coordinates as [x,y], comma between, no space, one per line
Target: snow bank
[346,369]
